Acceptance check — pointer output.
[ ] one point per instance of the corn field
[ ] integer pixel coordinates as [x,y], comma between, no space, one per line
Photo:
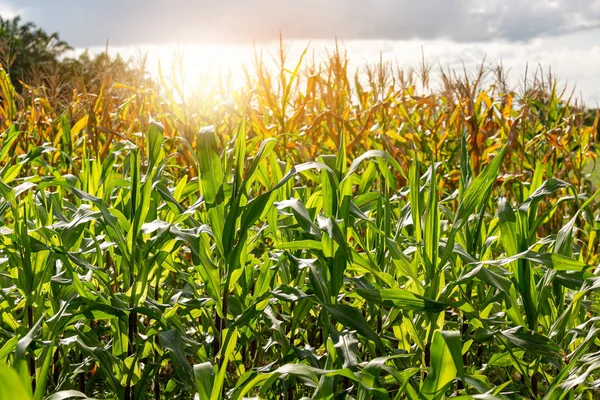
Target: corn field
[317,233]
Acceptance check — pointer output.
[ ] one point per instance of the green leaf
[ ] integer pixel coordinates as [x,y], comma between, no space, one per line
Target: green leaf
[351,318]
[550,186]
[301,214]
[211,181]
[346,345]
[66,394]
[171,340]
[532,342]
[478,191]
[375,154]
[231,337]
[300,245]
[154,138]
[443,369]
[554,261]
[11,387]
[402,299]
[204,375]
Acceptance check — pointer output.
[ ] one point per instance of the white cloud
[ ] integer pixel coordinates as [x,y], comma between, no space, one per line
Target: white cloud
[9,11]
[241,21]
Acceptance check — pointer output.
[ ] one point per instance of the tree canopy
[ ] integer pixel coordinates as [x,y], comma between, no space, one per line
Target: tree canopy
[26,50]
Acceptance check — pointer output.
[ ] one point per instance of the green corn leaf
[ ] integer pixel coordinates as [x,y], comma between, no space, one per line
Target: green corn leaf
[226,355]
[532,342]
[351,318]
[478,191]
[443,370]
[548,187]
[172,341]
[431,233]
[346,345]
[11,386]
[211,181]
[204,375]
[554,261]
[300,245]
[373,154]
[402,299]
[67,394]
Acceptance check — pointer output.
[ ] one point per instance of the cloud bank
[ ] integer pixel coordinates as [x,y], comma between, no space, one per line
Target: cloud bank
[91,23]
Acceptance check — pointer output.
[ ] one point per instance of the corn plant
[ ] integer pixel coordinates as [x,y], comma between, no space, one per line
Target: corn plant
[304,237]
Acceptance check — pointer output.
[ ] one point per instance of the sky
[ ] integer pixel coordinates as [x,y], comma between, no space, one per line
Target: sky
[560,34]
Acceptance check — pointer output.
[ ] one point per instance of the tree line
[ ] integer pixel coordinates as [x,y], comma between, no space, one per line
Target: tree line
[33,58]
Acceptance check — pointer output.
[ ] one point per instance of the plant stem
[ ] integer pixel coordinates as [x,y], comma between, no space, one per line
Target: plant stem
[31,355]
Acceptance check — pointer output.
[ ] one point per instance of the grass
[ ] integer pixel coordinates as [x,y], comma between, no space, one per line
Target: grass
[309,235]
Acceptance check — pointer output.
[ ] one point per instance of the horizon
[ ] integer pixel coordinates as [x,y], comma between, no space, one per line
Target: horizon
[206,61]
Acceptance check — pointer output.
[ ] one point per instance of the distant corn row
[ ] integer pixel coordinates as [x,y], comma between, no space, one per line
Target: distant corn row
[312,234]
[316,107]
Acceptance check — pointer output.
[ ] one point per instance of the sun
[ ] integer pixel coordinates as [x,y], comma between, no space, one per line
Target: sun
[199,66]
